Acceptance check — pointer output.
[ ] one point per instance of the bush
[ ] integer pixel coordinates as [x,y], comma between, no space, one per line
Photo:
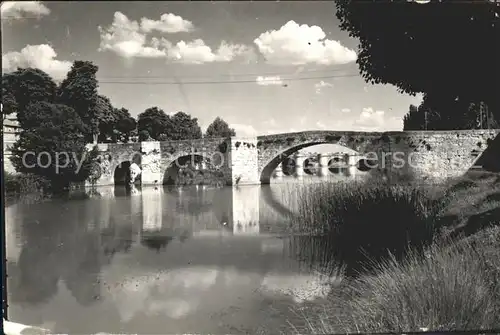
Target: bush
[367,222]
[456,287]
[23,184]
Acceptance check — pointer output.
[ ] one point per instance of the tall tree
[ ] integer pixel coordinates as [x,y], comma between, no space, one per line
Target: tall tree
[23,87]
[53,145]
[183,127]
[79,91]
[414,119]
[219,128]
[153,120]
[445,48]
[104,112]
[125,125]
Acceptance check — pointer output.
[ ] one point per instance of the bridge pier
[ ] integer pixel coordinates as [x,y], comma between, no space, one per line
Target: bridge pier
[323,165]
[299,165]
[352,167]
[278,172]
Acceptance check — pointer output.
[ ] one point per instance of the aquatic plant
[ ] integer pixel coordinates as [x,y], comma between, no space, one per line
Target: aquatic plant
[368,221]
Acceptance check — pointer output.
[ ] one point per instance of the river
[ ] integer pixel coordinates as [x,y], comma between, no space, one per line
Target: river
[161,260]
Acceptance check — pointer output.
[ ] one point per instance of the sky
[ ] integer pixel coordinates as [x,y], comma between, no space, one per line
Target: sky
[264,67]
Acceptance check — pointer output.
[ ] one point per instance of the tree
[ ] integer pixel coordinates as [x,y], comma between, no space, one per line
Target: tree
[104,112]
[447,48]
[154,120]
[144,135]
[53,145]
[183,127]
[414,119]
[219,128]
[79,91]
[23,87]
[125,124]
[445,113]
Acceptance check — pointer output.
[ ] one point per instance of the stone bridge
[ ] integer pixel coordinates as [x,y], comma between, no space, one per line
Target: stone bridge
[253,160]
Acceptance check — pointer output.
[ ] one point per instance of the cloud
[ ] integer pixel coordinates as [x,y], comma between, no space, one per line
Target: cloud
[124,38]
[321,85]
[345,110]
[38,56]
[244,130]
[128,39]
[295,44]
[270,123]
[20,9]
[197,52]
[168,23]
[320,125]
[270,80]
[371,120]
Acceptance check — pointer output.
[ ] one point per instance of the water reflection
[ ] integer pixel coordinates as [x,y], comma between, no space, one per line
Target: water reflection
[195,259]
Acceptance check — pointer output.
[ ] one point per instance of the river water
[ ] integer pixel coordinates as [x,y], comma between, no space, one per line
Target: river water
[162,260]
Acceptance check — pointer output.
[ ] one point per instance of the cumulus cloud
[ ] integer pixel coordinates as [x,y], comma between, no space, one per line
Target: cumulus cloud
[168,23]
[244,130]
[128,39]
[270,123]
[40,56]
[345,110]
[321,85]
[295,44]
[124,38]
[21,9]
[269,80]
[371,120]
[197,52]
[320,125]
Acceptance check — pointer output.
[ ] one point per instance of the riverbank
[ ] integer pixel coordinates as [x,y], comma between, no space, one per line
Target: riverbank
[443,268]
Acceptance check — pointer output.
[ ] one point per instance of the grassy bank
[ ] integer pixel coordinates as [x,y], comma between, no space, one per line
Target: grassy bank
[416,257]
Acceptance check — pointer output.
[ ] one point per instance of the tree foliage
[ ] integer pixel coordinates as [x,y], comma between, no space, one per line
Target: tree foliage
[448,48]
[446,113]
[104,112]
[219,128]
[183,127]
[58,131]
[23,87]
[161,127]
[153,120]
[125,124]
[79,91]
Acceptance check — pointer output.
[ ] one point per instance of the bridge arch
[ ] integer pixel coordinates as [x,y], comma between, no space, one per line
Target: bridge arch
[185,163]
[121,172]
[276,152]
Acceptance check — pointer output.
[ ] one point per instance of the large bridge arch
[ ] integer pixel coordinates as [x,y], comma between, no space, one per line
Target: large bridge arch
[274,149]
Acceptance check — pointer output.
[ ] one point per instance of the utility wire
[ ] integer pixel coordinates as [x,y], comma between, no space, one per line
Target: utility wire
[136,82]
[281,73]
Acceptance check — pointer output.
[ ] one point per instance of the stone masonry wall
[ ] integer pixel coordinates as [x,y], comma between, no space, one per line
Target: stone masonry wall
[436,155]
[152,169]
[244,161]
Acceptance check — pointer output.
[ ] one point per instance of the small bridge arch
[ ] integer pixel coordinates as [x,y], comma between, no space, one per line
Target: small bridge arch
[195,161]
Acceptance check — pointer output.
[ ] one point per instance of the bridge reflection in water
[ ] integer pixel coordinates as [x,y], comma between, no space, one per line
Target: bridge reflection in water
[159,260]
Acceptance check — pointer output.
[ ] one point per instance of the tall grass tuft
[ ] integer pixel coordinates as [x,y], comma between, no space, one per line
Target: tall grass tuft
[456,287]
[368,221]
